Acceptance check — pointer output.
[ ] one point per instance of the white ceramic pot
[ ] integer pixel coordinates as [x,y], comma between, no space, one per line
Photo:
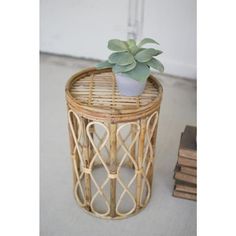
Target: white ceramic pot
[128,86]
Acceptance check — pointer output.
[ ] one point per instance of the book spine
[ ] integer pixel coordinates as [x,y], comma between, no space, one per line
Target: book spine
[188,154]
[187,162]
[188,170]
[188,196]
[185,188]
[187,178]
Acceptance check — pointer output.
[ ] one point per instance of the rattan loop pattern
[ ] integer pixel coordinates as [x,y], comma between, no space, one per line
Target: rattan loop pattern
[112,176]
[112,135]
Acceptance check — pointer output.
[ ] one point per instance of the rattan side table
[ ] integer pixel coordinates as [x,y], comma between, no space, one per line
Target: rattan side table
[113,141]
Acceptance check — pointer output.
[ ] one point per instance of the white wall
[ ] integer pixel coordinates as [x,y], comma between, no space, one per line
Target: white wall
[82,28]
[173,24]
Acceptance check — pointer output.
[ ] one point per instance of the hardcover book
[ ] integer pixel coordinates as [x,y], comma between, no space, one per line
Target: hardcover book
[188,144]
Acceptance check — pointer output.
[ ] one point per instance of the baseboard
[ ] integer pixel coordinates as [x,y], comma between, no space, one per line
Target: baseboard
[171,67]
[180,69]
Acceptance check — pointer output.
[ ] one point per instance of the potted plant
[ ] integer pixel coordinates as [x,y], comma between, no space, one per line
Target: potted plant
[131,63]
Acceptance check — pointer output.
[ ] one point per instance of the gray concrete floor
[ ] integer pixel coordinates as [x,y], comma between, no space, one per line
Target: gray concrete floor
[60,215]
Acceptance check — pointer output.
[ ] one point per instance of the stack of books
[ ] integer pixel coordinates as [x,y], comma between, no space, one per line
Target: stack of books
[186,168]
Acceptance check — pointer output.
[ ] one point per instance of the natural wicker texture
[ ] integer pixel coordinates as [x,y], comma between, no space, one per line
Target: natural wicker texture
[113,136]
[94,93]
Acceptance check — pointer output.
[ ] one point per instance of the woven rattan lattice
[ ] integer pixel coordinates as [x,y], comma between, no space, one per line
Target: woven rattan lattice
[113,140]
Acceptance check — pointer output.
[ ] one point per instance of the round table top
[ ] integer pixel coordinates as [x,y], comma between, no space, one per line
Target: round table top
[94,94]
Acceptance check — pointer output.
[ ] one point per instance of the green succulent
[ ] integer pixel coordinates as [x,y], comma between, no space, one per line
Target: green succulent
[132,59]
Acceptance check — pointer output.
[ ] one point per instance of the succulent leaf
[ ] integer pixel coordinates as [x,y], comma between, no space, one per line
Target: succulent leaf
[139,50]
[131,59]
[103,65]
[117,45]
[146,41]
[131,42]
[147,54]
[119,69]
[121,58]
[156,64]
[140,72]
[132,46]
